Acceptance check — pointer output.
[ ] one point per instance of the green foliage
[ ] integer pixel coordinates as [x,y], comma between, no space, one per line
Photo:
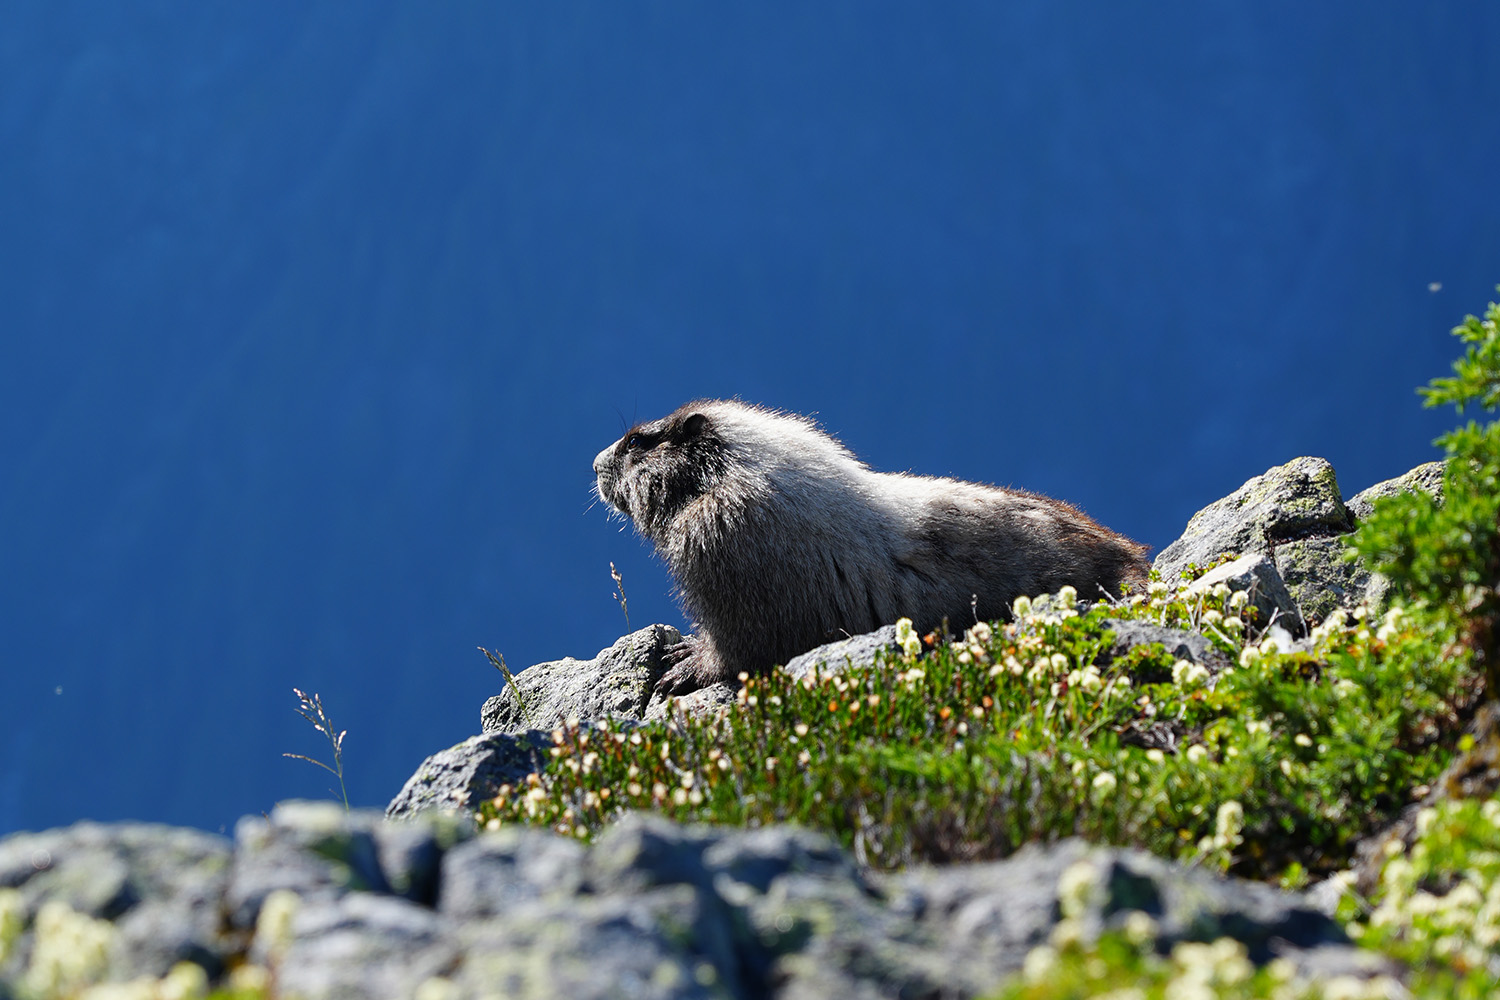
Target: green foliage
[1477,378]
[1448,555]
[1438,906]
[1016,733]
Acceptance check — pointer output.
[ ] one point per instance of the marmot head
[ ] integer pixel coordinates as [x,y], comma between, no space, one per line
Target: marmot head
[658,467]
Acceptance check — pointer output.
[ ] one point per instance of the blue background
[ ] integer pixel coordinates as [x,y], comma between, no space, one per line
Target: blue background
[315,314]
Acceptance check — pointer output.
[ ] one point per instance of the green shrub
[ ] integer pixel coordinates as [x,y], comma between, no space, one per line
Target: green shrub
[1014,733]
[1447,555]
[1438,906]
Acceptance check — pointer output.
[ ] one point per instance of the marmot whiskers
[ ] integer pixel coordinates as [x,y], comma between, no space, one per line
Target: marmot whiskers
[781,540]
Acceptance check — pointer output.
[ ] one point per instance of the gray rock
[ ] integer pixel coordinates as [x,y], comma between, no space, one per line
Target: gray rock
[358,946]
[757,858]
[459,778]
[411,852]
[836,657]
[493,873]
[320,852]
[652,909]
[161,886]
[1181,644]
[704,701]
[1321,580]
[1426,478]
[641,851]
[615,684]
[313,849]
[670,942]
[1298,500]
[989,916]
[1255,576]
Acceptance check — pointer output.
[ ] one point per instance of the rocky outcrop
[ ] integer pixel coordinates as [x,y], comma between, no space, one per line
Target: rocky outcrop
[456,780]
[1426,478]
[160,889]
[325,904]
[614,684]
[1298,500]
[1293,515]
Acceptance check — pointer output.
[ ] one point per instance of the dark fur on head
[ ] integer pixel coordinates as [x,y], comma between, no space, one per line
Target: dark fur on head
[780,539]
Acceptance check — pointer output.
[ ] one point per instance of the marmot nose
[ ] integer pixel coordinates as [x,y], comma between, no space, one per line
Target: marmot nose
[600,461]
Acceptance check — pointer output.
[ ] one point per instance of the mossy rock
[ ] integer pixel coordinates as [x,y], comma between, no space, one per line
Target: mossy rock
[1321,580]
[1294,501]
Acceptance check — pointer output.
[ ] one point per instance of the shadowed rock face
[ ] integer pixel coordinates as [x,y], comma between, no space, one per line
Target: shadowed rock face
[342,905]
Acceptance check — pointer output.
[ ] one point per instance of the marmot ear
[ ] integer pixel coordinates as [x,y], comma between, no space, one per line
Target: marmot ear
[694,425]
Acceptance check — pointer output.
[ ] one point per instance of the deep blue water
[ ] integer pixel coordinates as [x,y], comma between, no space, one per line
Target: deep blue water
[315,314]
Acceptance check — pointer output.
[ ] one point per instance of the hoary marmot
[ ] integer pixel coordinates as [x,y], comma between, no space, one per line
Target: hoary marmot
[780,539]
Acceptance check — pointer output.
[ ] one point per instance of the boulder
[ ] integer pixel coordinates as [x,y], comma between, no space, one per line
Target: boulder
[1293,515]
[1426,478]
[1298,500]
[836,657]
[704,701]
[459,778]
[617,683]
[1256,577]
[1321,580]
[160,888]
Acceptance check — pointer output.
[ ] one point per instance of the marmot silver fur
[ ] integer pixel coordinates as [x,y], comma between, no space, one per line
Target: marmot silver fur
[780,539]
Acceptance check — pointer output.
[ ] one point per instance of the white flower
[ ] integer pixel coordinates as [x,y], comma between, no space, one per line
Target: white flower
[1040,964]
[1186,673]
[1139,927]
[1075,886]
[907,638]
[1228,822]
[1389,625]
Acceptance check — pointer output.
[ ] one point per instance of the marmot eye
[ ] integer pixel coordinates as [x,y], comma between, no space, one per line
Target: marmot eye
[635,441]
